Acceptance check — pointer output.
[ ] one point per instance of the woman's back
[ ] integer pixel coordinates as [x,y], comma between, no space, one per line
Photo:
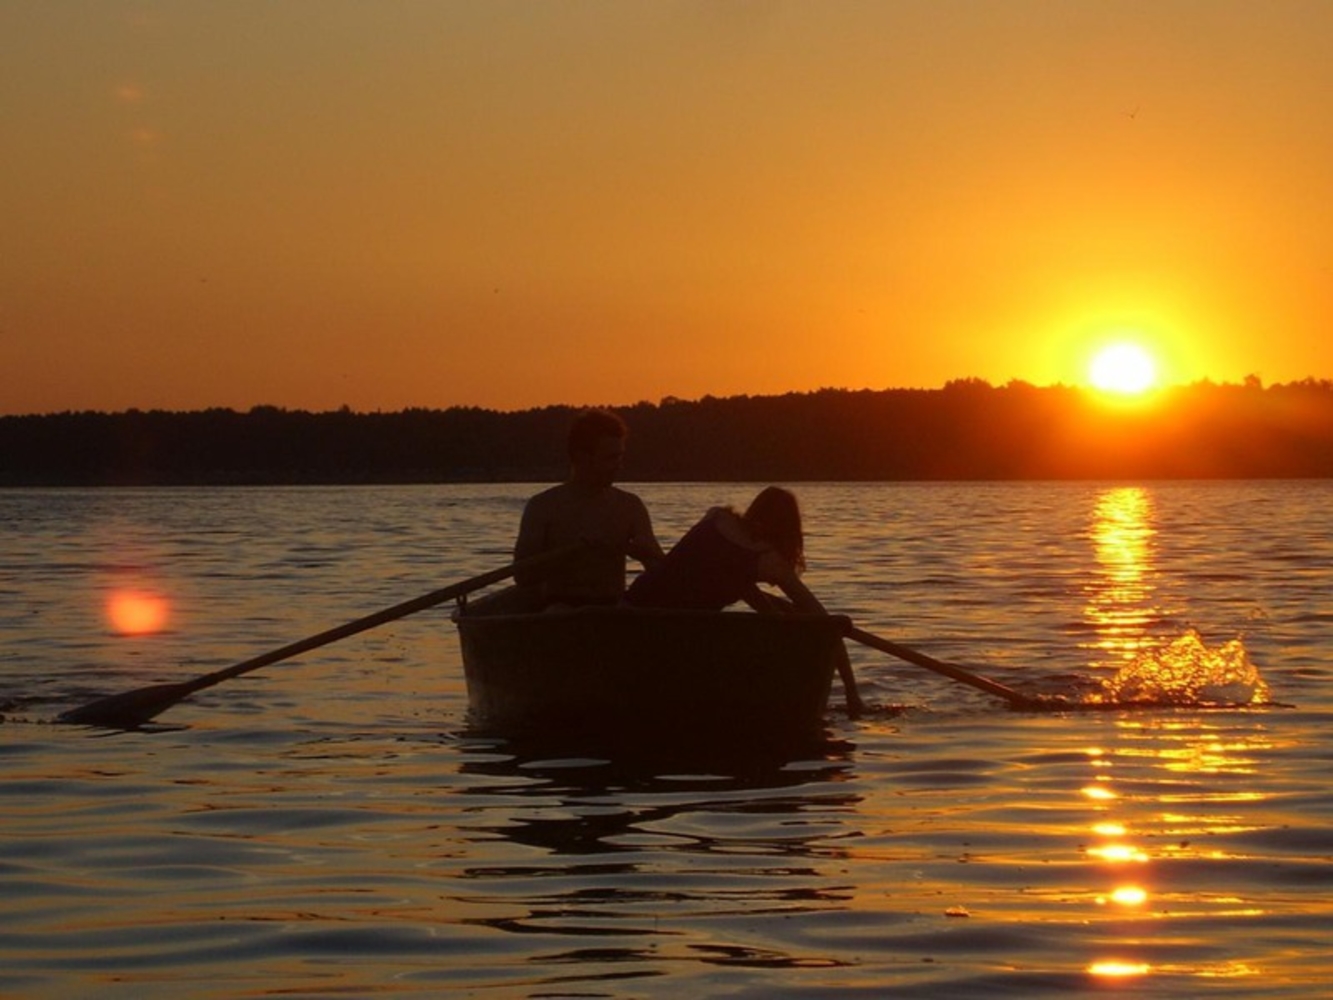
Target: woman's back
[708,569]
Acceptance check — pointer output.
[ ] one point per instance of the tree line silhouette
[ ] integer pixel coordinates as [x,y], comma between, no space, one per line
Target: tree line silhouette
[969,429]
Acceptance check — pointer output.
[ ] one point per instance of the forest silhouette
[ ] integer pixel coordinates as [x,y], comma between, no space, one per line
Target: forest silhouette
[968,430]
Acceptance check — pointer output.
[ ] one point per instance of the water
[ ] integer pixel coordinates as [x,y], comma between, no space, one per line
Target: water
[330,826]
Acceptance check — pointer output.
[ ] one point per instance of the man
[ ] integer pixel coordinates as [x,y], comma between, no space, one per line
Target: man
[586,508]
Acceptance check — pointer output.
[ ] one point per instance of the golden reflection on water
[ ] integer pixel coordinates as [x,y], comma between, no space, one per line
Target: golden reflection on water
[1113,969]
[1122,613]
[1193,746]
[1118,853]
[1176,802]
[1119,606]
[1129,895]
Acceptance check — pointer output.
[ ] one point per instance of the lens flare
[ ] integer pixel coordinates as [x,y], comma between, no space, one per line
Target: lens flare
[136,612]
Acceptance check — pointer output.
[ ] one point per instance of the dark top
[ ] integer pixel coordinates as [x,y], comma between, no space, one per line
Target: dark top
[704,571]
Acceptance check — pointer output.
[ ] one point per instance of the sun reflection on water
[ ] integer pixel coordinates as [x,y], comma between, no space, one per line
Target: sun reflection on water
[1114,848]
[1115,969]
[1129,895]
[1159,797]
[1099,792]
[1189,672]
[1119,605]
[1122,611]
[1117,853]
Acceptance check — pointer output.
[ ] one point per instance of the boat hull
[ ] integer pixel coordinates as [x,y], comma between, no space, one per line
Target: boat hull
[647,673]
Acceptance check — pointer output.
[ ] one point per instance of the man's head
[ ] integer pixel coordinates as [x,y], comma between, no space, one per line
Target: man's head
[597,446]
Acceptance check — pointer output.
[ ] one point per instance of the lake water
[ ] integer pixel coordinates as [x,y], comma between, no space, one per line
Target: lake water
[330,825]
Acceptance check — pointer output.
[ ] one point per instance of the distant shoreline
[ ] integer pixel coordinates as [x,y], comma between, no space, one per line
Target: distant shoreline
[966,431]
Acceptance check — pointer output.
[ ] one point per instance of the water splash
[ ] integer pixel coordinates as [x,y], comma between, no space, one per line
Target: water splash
[1187,672]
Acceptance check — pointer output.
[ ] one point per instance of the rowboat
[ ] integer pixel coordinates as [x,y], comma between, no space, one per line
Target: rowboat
[645,673]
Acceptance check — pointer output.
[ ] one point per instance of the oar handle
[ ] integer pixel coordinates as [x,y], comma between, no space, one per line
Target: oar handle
[1014,698]
[133,708]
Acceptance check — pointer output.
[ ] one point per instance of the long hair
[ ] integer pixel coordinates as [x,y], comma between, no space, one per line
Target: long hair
[774,517]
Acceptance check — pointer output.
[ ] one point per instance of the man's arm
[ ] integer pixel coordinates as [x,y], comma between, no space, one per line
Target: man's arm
[531,539]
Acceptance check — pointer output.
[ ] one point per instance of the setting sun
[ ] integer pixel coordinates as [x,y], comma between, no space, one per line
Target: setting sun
[1123,368]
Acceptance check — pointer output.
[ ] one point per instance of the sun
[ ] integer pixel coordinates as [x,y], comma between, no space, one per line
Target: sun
[1123,368]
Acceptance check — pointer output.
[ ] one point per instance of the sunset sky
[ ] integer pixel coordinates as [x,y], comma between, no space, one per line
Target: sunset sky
[312,203]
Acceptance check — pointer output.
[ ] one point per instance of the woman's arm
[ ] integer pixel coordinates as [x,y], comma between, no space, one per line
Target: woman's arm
[764,603]
[643,544]
[775,570]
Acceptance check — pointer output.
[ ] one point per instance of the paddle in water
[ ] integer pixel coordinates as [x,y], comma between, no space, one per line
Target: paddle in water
[1239,692]
[1015,698]
[130,709]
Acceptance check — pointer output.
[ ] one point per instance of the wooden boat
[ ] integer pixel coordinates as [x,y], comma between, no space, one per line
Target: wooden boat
[643,674]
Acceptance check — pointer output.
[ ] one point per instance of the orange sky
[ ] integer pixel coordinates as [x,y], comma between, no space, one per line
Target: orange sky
[311,203]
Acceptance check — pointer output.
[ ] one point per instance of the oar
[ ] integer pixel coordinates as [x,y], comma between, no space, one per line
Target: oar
[133,708]
[1015,699]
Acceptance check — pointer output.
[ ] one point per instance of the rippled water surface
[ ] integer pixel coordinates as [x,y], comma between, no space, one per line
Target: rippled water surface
[331,826]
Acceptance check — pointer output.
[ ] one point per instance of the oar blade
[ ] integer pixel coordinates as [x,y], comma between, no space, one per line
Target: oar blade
[129,709]
[133,708]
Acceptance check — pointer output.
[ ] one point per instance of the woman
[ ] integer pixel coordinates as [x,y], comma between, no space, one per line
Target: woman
[724,557]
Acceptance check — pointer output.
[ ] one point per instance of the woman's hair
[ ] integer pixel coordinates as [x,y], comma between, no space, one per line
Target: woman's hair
[775,517]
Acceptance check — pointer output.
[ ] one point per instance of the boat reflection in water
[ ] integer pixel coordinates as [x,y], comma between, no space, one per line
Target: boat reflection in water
[608,861]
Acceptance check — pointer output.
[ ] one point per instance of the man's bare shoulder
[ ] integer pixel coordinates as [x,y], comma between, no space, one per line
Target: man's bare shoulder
[549,499]
[626,498]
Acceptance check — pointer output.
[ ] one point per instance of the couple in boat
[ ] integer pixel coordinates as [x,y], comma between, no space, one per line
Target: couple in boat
[722,559]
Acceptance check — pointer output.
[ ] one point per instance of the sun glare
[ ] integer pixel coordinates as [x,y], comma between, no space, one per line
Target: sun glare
[1123,368]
